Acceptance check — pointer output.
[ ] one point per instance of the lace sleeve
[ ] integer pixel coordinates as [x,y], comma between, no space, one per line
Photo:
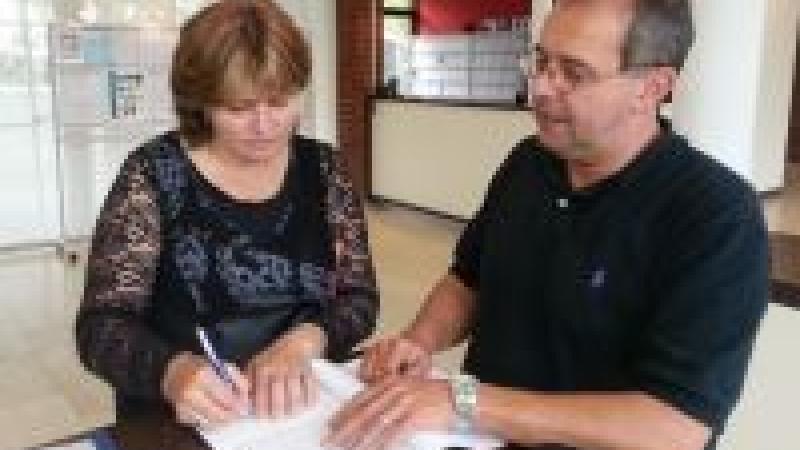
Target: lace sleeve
[113,339]
[349,317]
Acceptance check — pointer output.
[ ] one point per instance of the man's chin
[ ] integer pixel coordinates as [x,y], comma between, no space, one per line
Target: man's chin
[554,139]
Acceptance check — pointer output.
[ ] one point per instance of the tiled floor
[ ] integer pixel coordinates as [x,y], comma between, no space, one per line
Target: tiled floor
[45,394]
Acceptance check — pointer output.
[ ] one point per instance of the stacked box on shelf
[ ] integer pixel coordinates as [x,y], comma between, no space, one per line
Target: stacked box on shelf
[479,67]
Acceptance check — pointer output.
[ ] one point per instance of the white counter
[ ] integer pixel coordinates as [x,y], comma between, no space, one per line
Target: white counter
[441,157]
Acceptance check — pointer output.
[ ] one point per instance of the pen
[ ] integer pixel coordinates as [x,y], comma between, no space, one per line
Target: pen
[353,354]
[219,367]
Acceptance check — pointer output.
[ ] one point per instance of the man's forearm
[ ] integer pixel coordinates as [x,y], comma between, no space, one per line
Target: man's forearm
[612,421]
[446,317]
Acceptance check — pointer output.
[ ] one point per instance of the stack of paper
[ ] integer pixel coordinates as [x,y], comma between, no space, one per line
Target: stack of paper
[304,431]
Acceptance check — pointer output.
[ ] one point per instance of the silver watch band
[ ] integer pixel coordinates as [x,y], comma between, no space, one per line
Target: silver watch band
[465,400]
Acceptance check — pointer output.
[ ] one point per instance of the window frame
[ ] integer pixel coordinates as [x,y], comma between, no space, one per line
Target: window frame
[411,13]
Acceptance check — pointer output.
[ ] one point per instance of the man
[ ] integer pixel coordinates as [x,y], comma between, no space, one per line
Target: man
[613,281]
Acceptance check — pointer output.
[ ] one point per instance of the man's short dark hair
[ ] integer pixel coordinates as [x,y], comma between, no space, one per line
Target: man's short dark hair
[661,33]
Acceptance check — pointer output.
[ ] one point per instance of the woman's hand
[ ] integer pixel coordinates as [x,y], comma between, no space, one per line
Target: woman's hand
[281,376]
[199,396]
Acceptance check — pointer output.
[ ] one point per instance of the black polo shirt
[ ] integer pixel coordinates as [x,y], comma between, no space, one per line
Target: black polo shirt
[654,280]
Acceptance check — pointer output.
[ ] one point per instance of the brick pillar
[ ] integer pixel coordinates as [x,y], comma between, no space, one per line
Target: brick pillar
[359,26]
[794,117]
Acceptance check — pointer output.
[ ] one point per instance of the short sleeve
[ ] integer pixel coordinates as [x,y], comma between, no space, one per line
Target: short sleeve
[466,260]
[710,297]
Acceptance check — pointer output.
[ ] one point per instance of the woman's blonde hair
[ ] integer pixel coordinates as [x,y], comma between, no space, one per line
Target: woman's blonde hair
[228,46]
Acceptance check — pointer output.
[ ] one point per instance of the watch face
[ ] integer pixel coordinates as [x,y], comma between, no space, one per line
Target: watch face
[465,397]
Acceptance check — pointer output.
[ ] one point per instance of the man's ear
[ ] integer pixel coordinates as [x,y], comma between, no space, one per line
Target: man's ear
[659,83]
[654,87]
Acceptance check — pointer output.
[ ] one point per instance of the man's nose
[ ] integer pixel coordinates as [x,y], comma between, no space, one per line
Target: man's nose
[543,83]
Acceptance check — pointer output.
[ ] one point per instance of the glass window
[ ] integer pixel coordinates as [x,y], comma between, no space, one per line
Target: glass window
[17,106]
[397,32]
[9,13]
[38,37]
[397,28]
[76,11]
[13,57]
[41,12]
[398,4]
[40,81]
[19,199]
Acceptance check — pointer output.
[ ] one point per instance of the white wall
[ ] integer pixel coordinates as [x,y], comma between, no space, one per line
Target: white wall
[441,157]
[322,27]
[318,20]
[716,102]
[775,92]
[539,11]
[733,96]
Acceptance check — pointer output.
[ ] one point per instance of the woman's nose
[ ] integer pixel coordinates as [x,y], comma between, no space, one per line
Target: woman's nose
[264,118]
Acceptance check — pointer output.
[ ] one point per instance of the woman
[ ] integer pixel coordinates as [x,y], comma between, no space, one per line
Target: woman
[232,223]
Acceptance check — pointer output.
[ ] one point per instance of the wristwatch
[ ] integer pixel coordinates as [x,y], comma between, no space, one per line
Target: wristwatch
[464,388]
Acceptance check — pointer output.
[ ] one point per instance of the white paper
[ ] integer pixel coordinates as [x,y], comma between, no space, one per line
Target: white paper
[304,431]
[82,445]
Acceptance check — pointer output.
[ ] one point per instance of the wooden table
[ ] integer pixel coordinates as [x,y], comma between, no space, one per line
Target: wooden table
[154,432]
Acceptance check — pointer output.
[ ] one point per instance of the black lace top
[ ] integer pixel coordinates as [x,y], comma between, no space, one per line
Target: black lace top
[172,251]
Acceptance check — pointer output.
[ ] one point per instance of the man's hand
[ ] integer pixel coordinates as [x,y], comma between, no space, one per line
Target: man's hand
[392,357]
[281,374]
[199,396]
[390,410]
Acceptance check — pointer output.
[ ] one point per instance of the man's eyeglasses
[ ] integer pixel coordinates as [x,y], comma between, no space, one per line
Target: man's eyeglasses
[572,72]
